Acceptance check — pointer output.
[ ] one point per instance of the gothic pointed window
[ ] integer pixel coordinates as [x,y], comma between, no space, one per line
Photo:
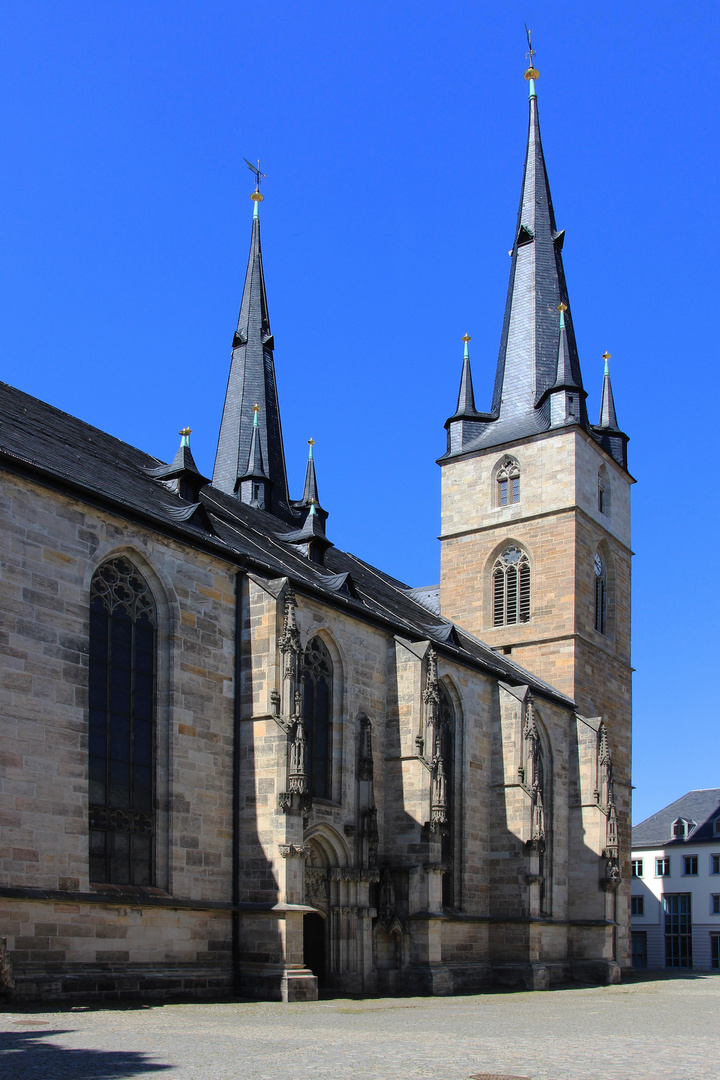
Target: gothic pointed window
[511,587]
[121,725]
[600,593]
[508,482]
[445,747]
[317,712]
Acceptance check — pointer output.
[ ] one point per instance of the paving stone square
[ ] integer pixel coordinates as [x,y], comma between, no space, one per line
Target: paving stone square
[664,1029]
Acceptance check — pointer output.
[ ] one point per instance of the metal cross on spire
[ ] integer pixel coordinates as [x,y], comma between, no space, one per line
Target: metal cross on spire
[532,72]
[259,177]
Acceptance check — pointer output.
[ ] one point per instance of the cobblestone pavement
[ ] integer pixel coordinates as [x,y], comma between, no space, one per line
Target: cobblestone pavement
[659,1028]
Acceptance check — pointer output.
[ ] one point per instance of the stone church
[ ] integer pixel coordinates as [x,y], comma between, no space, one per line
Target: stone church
[239,759]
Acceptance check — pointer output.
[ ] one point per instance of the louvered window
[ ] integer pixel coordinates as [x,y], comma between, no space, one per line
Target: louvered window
[511,588]
[603,490]
[121,725]
[508,482]
[600,594]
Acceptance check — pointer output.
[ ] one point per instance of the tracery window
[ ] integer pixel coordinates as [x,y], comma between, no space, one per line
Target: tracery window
[508,482]
[511,587]
[122,648]
[600,593]
[446,739]
[317,713]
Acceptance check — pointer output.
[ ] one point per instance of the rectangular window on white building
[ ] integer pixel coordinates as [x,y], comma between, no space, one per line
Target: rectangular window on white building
[637,867]
[662,867]
[715,864]
[690,865]
[637,905]
[715,904]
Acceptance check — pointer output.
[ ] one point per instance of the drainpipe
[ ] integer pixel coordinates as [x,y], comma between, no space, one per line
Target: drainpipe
[239,580]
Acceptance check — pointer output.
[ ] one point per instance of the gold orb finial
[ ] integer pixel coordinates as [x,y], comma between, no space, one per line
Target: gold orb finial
[606,356]
[256,407]
[185,431]
[257,197]
[562,307]
[311,442]
[466,338]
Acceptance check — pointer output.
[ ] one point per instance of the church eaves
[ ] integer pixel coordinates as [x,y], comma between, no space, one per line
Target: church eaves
[252,382]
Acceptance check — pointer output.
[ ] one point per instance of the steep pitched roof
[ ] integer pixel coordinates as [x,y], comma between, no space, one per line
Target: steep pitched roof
[701,806]
[64,453]
[252,382]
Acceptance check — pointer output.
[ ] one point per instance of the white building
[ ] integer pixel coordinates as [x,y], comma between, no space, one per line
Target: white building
[676,885]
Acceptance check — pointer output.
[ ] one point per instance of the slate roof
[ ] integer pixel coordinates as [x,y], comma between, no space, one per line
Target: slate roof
[701,806]
[532,359]
[252,381]
[65,453]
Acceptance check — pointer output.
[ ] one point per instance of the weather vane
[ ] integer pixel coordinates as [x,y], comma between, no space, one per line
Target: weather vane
[259,177]
[532,72]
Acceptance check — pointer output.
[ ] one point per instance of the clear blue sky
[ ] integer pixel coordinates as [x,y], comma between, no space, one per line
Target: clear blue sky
[393,137]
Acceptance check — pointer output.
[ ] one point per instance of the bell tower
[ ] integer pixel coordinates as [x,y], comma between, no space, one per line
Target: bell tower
[535,540]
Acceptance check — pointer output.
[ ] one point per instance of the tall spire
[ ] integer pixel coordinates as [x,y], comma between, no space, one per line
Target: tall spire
[252,381]
[530,345]
[466,422]
[466,398]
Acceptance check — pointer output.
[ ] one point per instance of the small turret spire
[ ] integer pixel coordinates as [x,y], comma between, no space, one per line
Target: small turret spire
[608,418]
[466,397]
[310,491]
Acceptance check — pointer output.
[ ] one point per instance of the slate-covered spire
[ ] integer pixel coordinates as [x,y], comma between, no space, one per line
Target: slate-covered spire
[310,491]
[606,431]
[182,474]
[464,425]
[527,367]
[252,381]
[608,419]
[253,486]
[565,392]
[466,397]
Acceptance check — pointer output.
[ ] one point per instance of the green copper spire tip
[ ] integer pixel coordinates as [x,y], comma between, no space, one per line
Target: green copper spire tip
[186,432]
[606,357]
[311,443]
[256,411]
[313,511]
[562,308]
[466,353]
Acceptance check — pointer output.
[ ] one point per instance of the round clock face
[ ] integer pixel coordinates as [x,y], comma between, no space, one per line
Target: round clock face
[598,565]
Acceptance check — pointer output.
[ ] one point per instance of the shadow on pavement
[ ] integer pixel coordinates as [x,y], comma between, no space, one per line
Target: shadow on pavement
[26,1055]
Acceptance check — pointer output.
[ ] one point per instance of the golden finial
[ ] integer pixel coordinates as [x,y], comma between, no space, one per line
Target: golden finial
[185,431]
[311,442]
[466,338]
[562,307]
[532,72]
[256,407]
[606,356]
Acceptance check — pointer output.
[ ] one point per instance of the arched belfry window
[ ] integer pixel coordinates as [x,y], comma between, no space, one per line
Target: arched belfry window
[511,587]
[121,725]
[317,712]
[600,593]
[508,482]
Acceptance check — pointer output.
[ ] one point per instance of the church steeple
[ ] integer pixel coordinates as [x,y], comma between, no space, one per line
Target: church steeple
[251,382]
[527,367]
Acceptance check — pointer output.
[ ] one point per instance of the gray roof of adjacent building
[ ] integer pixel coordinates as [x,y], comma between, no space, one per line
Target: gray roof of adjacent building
[701,806]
